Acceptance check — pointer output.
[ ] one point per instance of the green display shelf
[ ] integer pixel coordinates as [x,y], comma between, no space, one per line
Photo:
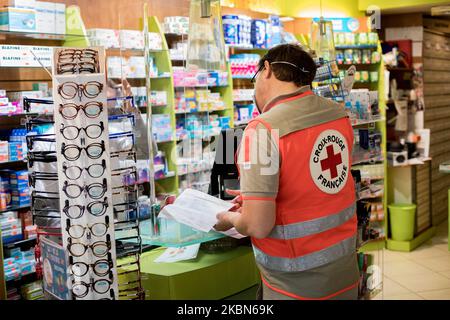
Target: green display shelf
[211,276]
[408,246]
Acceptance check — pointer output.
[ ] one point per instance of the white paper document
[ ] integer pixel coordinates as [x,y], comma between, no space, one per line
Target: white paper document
[198,210]
[179,254]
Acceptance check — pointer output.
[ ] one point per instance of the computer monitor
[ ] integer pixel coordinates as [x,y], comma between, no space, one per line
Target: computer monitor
[224,174]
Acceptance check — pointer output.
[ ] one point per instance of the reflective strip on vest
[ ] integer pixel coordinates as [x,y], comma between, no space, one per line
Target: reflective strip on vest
[307,228]
[307,262]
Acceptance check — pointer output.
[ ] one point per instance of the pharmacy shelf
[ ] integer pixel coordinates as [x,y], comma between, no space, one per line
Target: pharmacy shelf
[360,122]
[9,164]
[23,244]
[200,111]
[357,46]
[38,36]
[14,208]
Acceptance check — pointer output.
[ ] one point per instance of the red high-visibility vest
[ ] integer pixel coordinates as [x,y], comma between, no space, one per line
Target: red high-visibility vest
[316,220]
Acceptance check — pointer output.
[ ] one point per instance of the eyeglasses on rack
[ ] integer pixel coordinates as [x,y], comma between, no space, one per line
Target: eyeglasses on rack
[69,111]
[99,249]
[77,231]
[80,289]
[70,90]
[92,131]
[73,172]
[82,67]
[101,268]
[94,190]
[79,54]
[72,152]
[95,208]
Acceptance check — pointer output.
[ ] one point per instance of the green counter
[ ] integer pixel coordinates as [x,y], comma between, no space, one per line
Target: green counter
[208,277]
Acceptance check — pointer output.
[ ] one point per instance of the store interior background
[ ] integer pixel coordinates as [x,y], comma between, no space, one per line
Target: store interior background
[413,269]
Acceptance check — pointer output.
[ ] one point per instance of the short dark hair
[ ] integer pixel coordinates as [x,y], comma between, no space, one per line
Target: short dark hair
[296,55]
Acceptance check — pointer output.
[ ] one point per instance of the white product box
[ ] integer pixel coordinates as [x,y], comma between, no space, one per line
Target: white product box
[2,93]
[137,67]
[60,18]
[27,4]
[22,56]
[107,38]
[45,17]
[131,39]
[18,19]
[4,101]
[154,41]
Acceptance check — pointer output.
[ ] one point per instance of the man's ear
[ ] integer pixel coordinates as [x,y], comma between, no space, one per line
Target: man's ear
[268,69]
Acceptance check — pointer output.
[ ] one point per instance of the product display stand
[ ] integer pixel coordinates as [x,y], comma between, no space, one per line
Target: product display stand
[89,237]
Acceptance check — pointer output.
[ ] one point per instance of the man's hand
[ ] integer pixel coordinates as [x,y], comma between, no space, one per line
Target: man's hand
[237,200]
[223,223]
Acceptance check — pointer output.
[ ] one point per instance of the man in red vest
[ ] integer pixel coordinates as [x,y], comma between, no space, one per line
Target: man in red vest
[297,197]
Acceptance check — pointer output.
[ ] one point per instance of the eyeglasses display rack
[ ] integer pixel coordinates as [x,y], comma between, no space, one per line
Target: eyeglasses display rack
[84,171]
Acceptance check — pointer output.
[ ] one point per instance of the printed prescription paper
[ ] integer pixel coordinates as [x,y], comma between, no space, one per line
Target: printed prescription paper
[198,210]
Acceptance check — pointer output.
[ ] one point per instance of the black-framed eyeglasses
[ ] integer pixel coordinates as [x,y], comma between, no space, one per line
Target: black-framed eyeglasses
[69,53]
[73,172]
[77,231]
[69,111]
[92,131]
[95,208]
[99,249]
[262,66]
[80,289]
[70,90]
[94,190]
[82,67]
[72,152]
[101,268]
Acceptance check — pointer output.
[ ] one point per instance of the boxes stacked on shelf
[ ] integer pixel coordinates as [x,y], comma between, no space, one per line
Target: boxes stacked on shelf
[161,166]
[188,78]
[245,112]
[357,56]
[243,94]
[162,127]
[25,56]
[11,227]
[244,65]
[198,100]
[178,51]
[242,31]
[237,30]
[140,96]
[195,126]
[355,39]
[362,105]
[33,16]
[154,41]
[176,24]
[131,39]
[14,190]
[158,98]
[131,67]
[17,145]
[107,38]
[32,291]
[368,145]
[20,192]
[143,171]
[19,264]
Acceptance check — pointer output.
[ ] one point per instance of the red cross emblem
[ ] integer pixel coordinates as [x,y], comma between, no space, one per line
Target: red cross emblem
[331,163]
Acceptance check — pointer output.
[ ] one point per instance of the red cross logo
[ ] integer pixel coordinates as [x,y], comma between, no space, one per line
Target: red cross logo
[332,162]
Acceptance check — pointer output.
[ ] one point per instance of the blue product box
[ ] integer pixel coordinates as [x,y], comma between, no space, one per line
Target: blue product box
[17,19]
[225,122]
[27,267]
